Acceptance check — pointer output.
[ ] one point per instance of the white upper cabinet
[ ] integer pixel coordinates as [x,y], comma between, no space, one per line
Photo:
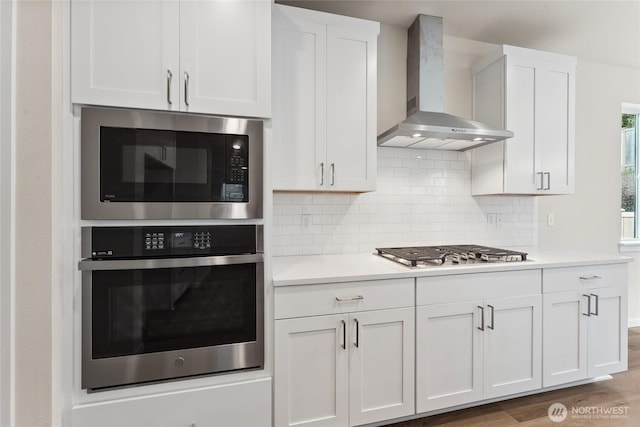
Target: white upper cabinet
[324,121]
[531,93]
[205,56]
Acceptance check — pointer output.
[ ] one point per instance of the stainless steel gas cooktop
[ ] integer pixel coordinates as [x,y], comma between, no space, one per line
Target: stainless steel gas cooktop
[450,254]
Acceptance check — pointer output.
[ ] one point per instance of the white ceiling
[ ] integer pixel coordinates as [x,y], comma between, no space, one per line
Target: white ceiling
[602,31]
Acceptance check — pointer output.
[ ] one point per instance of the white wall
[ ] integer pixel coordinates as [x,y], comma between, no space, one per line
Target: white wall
[37,104]
[6,210]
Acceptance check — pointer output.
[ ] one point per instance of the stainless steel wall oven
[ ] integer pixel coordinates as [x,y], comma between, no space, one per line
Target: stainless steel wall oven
[159,165]
[167,302]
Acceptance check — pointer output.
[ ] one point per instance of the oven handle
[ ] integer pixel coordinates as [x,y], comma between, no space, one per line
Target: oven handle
[136,264]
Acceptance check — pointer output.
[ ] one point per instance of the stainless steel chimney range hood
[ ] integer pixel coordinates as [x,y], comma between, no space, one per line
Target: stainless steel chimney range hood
[426,126]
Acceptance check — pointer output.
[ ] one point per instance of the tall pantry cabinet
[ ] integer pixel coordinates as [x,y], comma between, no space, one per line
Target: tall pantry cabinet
[531,93]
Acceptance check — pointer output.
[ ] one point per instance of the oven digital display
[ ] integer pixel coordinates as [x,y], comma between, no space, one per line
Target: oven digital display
[182,239]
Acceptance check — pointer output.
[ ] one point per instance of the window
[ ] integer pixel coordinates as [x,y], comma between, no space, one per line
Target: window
[629,138]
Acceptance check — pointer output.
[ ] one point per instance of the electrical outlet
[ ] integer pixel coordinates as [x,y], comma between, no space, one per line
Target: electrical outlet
[551,219]
[491,219]
[305,222]
[499,219]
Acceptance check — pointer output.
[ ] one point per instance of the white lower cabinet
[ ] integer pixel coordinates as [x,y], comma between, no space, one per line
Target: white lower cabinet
[345,369]
[204,407]
[473,344]
[585,323]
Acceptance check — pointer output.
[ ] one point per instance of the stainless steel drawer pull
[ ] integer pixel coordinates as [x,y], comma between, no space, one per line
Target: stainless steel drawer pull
[186,88]
[548,174]
[169,78]
[595,313]
[357,343]
[355,298]
[492,317]
[481,327]
[590,277]
[333,174]
[541,175]
[588,313]
[344,335]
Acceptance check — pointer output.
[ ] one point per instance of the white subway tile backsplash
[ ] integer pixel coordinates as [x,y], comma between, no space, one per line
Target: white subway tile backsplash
[423,197]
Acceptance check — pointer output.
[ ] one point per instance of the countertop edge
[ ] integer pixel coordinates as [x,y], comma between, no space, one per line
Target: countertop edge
[313,270]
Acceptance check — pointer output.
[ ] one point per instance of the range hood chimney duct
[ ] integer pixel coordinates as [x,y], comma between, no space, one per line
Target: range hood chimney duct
[426,125]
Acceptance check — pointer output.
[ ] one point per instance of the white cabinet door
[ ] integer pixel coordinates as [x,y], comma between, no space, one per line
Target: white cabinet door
[555,128]
[311,372]
[512,345]
[299,80]
[520,151]
[608,352]
[225,57]
[381,370]
[324,121]
[449,348]
[565,338]
[351,109]
[125,53]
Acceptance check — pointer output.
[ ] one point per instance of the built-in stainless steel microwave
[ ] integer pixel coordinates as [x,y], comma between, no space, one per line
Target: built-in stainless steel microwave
[160,165]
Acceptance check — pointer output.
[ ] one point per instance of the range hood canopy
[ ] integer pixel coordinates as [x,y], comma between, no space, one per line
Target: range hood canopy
[426,126]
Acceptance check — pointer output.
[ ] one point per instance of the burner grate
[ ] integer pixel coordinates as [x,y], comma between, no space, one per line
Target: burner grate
[457,254]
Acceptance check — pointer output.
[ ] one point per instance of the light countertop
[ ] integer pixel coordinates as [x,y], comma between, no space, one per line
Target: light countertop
[315,269]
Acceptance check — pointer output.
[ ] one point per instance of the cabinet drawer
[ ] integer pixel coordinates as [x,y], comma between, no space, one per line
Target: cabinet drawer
[466,287]
[345,297]
[584,277]
[209,406]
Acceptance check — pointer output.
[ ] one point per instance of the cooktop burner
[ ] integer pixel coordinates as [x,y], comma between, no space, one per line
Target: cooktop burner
[455,254]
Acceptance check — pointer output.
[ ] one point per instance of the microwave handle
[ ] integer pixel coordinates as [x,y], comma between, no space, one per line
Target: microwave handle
[142,264]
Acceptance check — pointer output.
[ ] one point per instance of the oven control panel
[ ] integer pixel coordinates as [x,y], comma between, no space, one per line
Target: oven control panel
[136,242]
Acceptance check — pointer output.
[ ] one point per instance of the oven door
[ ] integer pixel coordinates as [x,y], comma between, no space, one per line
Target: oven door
[157,319]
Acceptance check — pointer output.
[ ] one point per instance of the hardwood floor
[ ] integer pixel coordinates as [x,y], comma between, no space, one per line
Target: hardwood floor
[623,391]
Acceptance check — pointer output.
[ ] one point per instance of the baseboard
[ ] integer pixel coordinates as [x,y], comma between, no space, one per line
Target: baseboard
[633,323]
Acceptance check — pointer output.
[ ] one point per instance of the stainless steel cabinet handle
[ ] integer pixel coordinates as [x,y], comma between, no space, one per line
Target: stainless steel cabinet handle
[597,305]
[548,187]
[481,327]
[143,264]
[541,175]
[354,298]
[492,318]
[588,313]
[594,277]
[321,174]
[344,334]
[186,88]
[333,174]
[169,78]
[357,343]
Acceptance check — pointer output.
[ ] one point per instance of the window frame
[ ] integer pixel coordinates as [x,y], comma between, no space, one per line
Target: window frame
[632,243]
